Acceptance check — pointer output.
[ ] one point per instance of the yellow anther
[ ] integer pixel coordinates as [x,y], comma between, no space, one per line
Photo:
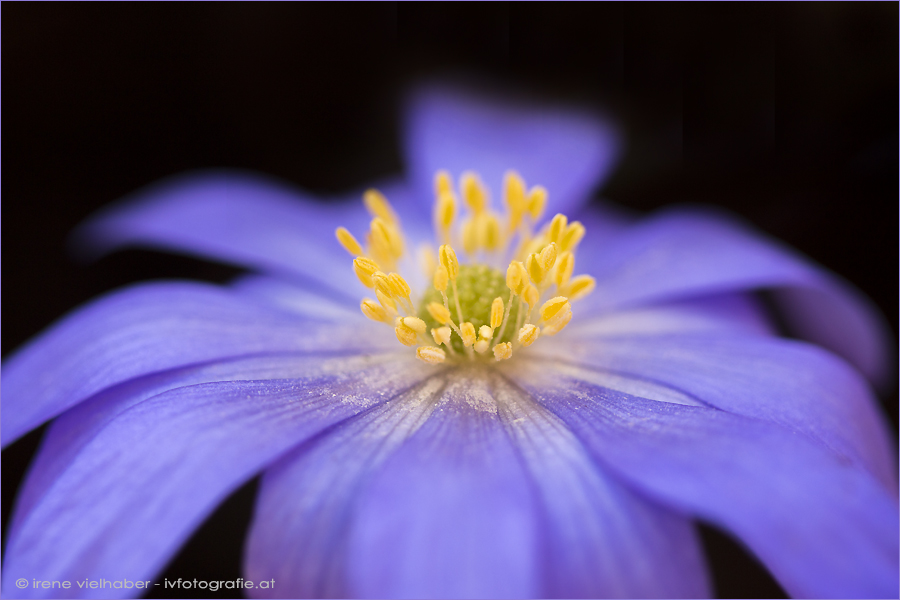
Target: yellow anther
[364,269]
[386,238]
[489,234]
[557,228]
[386,301]
[516,277]
[548,256]
[438,312]
[378,206]
[470,235]
[414,323]
[441,335]
[485,332]
[502,351]
[580,287]
[442,183]
[534,268]
[556,313]
[380,239]
[531,296]
[564,266]
[514,188]
[431,354]
[496,312]
[552,307]
[374,311]
[528,334]
[445,211]
[473,192]
[349,242]
[559,321]
[448,260]
[481,346]
[406,335]
[383,284]
[467,332]
[572,236]
[399,286]
[440,278]
[537,198]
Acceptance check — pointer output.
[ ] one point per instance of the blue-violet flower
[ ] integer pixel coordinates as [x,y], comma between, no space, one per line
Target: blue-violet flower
[577,388]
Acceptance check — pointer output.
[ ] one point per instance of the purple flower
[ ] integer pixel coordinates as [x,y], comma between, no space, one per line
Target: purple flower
[574,468]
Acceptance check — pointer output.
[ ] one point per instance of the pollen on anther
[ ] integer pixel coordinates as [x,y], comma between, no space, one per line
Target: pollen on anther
[497,312]
[528,334]
[467,332]
[431,354]
[502,351]
[439,312]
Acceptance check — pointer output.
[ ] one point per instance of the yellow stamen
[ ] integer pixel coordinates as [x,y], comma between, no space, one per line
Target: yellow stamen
[374,311]
[349,242]
[431,354]
[531,296]
[448,260]
[573,235]
[481,346]
[405,334]
[535,268]
[516,277]
[514,188]
[502,351]
[537,198]
[556,313]
[386,301]
[489,234]
[444,213]
[564,266]
[438,312]
[414,323]
[548,256]
[557,228]
[496,312]
[441,278]
[580,286]
[443,184]
[398,285]
[485,332]
[473,192]
[552,307]
[528,334]
[467,333]
[364,269]
[441,335]
[378,206]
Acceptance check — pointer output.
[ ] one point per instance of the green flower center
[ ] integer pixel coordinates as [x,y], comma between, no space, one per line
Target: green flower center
[478,285]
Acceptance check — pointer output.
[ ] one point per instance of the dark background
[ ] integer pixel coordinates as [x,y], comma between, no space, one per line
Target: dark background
[783,113]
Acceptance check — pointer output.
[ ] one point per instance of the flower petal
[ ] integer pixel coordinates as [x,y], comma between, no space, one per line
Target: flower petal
[567,151]
[73,429]
[390,504]
[681,254]
[601,540]
[823,527]
[722,313]
[245,219]
[136,488]
[149,328]
[796,385]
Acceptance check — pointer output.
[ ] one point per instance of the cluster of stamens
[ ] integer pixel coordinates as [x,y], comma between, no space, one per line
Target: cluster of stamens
[464,315]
